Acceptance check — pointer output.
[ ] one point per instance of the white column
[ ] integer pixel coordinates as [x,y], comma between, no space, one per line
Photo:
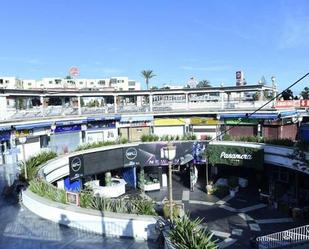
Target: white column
[187,101]
[150,103]
[3,111]
[42,105]
[222,100]
[115,103]
[79,106]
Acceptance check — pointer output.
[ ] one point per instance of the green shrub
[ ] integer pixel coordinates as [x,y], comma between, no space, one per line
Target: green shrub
[94,145]
[189,234]
[33,163]
[45,189]
[144,138]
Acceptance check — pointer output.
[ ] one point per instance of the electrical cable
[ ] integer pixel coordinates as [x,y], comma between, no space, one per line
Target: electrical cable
[261,107]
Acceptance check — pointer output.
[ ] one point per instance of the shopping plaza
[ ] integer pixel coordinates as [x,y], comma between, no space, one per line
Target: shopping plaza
[135,127]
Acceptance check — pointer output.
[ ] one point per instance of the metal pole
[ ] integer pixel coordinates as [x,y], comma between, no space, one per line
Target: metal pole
[170,190]
[24,158]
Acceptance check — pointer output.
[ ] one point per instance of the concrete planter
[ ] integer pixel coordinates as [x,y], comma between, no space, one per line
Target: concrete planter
[140,227]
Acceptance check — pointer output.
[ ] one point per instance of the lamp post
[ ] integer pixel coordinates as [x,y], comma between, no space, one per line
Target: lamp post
[169,154]
[23,140]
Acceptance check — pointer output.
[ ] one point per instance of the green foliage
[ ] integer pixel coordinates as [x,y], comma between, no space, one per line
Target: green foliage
[44,189]
[252,157]
[33,163]
[123,140]
[148,74]
[94,145]
[189,136]
[257,139]
[203,83]
[135,205]
[86,197]
[188,234]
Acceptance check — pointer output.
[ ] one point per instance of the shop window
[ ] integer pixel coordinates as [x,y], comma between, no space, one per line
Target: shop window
[44,141]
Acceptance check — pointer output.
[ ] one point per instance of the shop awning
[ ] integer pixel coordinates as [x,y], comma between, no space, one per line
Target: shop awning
[71,122]
[31,126]
[5,128]
[269,116]
[102,118]
[136,119]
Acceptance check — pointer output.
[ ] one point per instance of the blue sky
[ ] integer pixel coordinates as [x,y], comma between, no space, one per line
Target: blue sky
[176,39]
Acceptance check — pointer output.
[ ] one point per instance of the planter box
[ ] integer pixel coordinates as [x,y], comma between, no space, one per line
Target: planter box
[151,187]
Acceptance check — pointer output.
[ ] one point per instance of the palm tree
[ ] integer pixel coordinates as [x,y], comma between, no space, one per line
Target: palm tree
[148,74]
[203,83]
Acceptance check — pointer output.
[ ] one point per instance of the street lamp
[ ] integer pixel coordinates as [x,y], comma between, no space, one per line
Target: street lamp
[22,141]
[169,154]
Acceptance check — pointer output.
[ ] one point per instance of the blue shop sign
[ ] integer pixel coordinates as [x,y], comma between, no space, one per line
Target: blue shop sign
[101,124]
[5,136]
[68,128]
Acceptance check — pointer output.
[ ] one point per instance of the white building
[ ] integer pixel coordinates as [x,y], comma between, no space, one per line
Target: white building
[10,82]
[113,83]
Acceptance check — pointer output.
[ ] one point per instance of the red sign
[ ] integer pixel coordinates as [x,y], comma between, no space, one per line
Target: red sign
[74,71]
[285,104]
[303,103]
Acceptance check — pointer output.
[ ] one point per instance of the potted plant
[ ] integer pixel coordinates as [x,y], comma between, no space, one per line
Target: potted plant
[233,185]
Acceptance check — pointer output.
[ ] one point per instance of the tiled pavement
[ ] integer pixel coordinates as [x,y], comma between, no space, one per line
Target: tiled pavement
[232,220]
[21,229]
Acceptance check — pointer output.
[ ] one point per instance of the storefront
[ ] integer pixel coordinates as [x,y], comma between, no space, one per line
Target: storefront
[169,126]
[280,129]
[228,160]
[31,138]
[243,127]
[101,129]
[133,128]
[66,136]
[204,128]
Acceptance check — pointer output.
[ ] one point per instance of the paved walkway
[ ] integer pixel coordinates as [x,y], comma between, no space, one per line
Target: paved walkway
[21,229]
[232,220]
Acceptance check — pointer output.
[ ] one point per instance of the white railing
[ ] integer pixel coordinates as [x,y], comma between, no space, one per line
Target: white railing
[285,238]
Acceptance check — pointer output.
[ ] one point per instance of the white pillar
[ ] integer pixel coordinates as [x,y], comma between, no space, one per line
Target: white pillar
[187,101]
[150,103]
[3,112]
[222,100]
[115,103]
[79,106]
[42,105]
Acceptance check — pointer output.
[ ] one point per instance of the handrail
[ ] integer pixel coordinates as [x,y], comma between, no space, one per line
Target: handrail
[285,238]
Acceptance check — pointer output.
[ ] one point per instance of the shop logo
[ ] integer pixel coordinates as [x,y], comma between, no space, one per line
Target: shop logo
[236,156]
[131,153]
[76,164]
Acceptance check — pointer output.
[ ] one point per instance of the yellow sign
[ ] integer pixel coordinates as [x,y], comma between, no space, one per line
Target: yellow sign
[203,121]
[23,133]
[169,121]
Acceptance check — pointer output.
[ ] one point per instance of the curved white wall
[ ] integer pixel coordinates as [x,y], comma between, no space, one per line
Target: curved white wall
[140,227]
